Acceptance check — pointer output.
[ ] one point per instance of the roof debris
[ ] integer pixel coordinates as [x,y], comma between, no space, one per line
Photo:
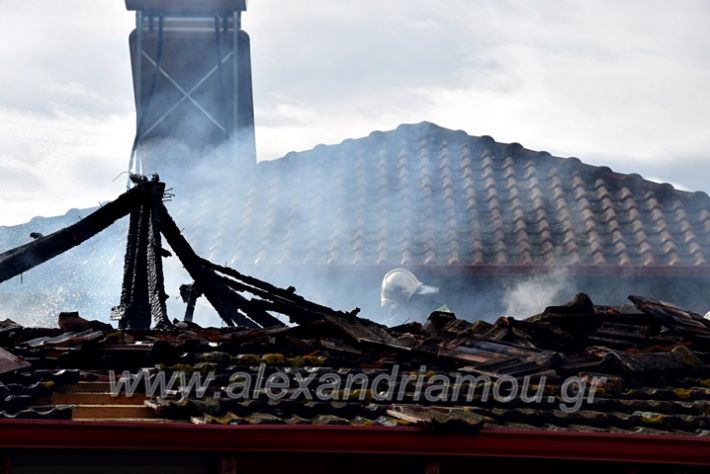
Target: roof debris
[9,362]
[643,367]
[652,372]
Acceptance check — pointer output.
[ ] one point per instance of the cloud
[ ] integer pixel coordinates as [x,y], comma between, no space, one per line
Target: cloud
[625,82]
[66,113]
[70,55]
[622,85]
[50,164]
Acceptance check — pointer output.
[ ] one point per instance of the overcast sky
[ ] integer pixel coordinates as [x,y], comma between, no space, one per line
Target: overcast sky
[616,83]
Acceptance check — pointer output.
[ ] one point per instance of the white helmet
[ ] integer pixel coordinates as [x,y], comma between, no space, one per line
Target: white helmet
[398,287]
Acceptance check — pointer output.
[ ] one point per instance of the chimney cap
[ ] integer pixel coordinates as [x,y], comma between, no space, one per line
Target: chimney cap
[186,6]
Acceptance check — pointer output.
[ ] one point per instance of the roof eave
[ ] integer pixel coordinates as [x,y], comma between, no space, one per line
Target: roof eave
[503,269]
[403,441]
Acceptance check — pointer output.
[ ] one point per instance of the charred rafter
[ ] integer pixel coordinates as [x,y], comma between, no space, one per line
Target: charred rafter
[23,258]
[189,294]
[142,294]
[221,284]
[284,297]
[232,307]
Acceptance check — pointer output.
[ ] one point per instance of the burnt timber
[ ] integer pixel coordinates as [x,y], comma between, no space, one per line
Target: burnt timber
[143,294]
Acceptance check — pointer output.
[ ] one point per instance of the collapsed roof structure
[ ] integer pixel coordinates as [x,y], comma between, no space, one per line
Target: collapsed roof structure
[143,293]
[647,363]
[469,214]
[649,360]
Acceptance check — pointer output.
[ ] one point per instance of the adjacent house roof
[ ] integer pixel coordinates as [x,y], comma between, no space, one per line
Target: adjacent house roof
[426,195]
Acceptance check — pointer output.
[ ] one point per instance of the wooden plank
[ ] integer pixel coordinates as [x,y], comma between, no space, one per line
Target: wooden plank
[84,387]
[113,411]
[134,420]
[41,402]
[95,398]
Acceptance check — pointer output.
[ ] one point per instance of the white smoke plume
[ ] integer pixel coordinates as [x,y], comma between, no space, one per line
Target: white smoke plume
[530,296]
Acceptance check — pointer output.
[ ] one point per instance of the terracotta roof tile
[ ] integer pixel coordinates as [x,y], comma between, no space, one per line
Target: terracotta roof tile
[647,364]
[425,195]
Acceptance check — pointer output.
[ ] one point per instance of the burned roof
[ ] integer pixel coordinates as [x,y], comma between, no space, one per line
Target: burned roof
[638,368]
[650,360]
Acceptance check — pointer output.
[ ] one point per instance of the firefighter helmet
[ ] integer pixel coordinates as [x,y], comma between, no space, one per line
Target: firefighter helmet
[398,287]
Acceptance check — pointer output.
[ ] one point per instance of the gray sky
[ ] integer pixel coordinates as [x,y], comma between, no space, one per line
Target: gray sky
[616,83]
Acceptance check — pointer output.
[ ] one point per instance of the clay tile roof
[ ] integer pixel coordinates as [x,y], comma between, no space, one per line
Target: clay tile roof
[425,195]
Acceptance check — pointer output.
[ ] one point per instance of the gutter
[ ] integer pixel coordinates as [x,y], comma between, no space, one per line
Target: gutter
[396,441]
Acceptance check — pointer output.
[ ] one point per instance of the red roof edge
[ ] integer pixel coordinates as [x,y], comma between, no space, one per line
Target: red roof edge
[409,441]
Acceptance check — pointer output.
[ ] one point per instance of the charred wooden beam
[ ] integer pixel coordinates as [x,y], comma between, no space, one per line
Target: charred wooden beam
[189,294]
[156,278]
[143,293]
[231,305]
[224,300]
[23,258]
[130,261]
[134,310]
[220,289]
[296,313]
[268,291]
[235,301]
[254,311]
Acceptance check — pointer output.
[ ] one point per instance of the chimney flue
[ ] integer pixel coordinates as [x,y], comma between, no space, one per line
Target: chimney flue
[192,84]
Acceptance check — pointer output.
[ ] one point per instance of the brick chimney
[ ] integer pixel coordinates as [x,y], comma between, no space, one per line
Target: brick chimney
[192,84]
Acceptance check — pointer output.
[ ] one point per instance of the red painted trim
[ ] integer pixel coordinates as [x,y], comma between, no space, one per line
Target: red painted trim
[408,441]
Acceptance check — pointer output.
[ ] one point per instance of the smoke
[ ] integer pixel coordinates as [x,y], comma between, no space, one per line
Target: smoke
[316,220]
[531,295]
[237,213]
[282,221]
[285,222]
